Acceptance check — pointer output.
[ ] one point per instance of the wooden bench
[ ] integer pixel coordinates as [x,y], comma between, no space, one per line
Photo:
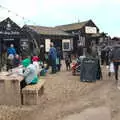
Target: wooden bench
[31,93]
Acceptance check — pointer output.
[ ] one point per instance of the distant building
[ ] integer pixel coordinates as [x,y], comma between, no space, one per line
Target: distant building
[115,40]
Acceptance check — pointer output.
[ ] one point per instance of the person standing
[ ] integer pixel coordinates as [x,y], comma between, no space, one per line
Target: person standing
[58,60]
[11,50]
[52,57]
[115,58]
[67,62]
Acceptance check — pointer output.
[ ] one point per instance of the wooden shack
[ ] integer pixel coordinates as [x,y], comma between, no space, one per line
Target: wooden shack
[82,32]
[10,33]
[45,35]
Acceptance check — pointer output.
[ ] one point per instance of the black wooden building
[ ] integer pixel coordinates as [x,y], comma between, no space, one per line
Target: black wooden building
[84,33]
[67,37]
[36,39]
[11,33]
[44,35]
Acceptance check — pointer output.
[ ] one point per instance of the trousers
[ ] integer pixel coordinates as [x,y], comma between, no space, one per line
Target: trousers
[116,67]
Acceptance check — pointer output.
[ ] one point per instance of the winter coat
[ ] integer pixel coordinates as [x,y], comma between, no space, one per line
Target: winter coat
[11,51]
[52,53]
[30,72]
[115,54]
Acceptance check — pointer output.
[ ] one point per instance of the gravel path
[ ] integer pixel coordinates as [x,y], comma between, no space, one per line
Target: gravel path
[66,95]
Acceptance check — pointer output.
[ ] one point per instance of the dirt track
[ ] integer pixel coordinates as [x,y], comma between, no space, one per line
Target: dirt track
[65,95]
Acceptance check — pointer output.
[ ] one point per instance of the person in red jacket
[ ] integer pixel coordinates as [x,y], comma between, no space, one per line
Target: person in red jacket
[35,58]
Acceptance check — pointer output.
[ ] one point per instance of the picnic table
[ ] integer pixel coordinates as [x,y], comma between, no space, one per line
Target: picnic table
[10,91]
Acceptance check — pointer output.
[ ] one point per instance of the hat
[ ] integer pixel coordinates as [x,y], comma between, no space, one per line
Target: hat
[35,58]
[26,62]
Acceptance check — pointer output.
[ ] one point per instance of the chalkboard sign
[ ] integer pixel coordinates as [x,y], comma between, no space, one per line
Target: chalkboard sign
[89,67]
[24,43]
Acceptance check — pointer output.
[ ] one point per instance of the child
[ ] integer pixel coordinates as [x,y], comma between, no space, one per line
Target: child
[67,62]
[43,71]
[16,60]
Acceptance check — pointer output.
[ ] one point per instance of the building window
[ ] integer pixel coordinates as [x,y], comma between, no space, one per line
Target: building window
[66,46]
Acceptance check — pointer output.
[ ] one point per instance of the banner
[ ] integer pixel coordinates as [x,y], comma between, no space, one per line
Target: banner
[47,45]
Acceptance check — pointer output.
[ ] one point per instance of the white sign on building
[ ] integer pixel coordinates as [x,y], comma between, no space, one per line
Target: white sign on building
[90,30]
[47,45]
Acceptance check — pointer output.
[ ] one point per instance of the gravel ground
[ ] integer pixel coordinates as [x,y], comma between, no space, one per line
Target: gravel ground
[65,95]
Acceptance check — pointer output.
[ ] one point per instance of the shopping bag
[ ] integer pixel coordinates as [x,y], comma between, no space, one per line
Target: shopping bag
[57,61]
[112,67]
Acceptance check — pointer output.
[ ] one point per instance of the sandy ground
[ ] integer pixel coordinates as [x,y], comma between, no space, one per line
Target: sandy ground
[65,95]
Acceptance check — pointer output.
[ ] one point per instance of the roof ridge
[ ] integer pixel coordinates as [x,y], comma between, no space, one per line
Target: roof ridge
[73,23]
[48,30]
[39,26]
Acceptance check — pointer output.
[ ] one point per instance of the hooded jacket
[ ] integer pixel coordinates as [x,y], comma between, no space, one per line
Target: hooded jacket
[30,72]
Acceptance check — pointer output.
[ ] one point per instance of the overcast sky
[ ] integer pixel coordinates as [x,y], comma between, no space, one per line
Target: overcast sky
[104,13]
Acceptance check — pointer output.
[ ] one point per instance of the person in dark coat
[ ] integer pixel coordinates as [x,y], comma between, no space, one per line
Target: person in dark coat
[67,62]
[115,57]
[52,57]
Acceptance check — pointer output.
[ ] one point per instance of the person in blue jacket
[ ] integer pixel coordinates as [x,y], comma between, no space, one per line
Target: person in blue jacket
[11,50]
[52,57]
